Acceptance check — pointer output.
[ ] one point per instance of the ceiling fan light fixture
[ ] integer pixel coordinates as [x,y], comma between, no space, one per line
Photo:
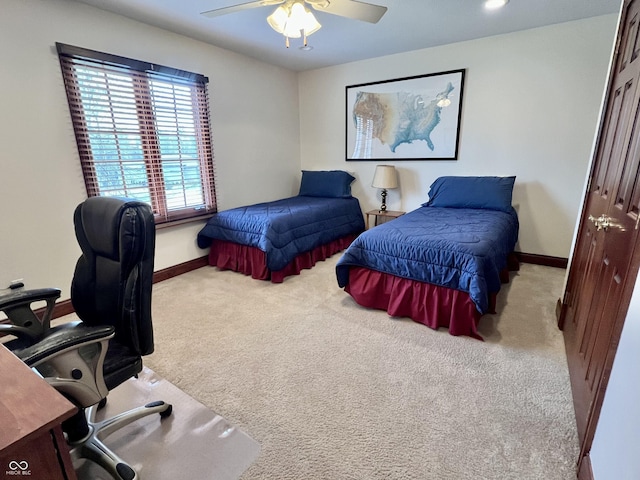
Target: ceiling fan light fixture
[493,4]
[293,20]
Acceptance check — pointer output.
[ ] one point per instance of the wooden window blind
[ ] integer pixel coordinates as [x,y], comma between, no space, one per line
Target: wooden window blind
[142,130]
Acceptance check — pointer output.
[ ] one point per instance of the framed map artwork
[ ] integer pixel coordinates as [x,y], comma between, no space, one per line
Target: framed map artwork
[412,118]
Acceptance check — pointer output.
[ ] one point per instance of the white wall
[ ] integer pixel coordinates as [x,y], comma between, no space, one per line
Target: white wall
[530,109]
[614,453]
[256,136]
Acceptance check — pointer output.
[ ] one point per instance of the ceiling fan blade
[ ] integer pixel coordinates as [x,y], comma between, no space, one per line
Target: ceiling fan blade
[237,8]
[366,12]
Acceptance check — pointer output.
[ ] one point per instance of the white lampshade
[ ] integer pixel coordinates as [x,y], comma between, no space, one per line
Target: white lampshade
[302,19]
[385,177]
[278,19]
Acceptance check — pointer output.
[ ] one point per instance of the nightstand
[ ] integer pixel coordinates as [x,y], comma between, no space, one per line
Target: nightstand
[386,214]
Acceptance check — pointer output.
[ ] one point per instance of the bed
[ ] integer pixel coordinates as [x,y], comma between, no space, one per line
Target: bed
[273,240]
[442,264]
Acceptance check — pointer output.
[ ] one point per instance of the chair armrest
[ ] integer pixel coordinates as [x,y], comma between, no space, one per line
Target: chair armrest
[16,305]
[21,296]
[72,360]
[63,340]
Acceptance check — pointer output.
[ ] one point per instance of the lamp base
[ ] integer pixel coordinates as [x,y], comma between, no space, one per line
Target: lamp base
[383,207]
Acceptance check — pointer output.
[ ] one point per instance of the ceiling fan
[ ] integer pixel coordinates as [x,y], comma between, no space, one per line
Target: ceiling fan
[293,19]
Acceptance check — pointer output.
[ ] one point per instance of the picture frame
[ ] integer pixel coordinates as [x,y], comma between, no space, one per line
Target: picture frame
[410,118]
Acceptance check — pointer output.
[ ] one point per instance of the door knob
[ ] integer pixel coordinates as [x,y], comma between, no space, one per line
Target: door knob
[604,222]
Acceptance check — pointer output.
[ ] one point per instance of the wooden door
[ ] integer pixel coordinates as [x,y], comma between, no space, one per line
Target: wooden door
[604,268]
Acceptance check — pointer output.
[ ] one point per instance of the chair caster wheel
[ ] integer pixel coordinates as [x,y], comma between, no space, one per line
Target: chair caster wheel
[167,412]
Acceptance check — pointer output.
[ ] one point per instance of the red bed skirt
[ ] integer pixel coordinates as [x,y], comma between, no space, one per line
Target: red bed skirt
[431,305]
[252,261]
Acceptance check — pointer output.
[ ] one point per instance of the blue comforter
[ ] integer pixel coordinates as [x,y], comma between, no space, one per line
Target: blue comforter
[284,228]
[460,248]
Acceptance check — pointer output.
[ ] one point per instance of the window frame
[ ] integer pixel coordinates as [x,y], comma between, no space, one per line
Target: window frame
[144,78]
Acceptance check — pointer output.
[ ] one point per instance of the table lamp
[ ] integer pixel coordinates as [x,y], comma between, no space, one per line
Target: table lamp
[385,178]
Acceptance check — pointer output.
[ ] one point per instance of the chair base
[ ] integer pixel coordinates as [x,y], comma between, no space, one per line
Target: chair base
[92,448]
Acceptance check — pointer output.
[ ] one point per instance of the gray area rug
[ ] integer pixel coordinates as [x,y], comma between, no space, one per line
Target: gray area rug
[331,390]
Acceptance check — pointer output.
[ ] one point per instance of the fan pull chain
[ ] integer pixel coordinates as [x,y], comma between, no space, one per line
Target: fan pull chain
[286,41]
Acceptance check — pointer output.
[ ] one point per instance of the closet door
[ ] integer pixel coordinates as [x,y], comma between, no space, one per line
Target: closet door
[605,265]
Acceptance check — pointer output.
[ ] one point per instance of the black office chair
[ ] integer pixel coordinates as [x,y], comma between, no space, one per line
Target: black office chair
[111,294]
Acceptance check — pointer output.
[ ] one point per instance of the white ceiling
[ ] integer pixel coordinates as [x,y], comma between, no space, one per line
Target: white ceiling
[407,25]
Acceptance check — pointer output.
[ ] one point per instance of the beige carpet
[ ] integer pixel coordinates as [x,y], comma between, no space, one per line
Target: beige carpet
[331,390]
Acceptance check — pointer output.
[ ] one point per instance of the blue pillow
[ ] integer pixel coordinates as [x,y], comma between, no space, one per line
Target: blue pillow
[491,193]
[326,183]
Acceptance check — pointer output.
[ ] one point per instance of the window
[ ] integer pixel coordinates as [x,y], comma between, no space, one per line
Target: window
[142,131]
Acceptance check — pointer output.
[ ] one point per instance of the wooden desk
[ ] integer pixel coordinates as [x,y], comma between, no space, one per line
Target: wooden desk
[383,214]
[31,411]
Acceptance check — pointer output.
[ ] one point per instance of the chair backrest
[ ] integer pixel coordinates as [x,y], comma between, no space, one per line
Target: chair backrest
[113,277]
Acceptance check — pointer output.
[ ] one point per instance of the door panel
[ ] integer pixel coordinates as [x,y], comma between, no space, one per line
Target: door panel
[625,103]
